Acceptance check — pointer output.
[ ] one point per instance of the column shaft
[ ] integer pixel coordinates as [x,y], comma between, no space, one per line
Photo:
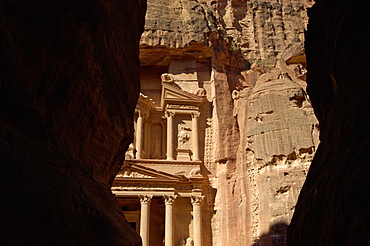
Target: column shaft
[139,136]
[168,200]
[146,142]
[145,218]
[163,139]
[197,219]
[170,144]
[195,116]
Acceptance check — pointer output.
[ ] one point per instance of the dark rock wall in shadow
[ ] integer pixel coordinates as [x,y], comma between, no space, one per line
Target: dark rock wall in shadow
[68,88]
[333,207]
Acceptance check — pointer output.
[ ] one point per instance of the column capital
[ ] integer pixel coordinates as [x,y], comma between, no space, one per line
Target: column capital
[142,113]
[169,114]
[163,121]
[194,114]
[145,199]
[169,199]
[196,200]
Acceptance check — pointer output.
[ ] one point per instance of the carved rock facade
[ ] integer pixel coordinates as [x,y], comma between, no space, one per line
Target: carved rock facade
[223,114]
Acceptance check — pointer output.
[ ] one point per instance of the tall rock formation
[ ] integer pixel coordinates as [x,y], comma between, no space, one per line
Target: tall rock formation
[259,129]
[68,88]
[333,208]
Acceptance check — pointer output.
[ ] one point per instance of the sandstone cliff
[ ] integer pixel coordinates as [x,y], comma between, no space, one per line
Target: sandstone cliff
[68,88]
[260,131]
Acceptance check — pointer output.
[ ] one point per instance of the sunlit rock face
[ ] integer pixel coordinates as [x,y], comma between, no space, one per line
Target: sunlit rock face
[333,207]
[69,84]
[260,132]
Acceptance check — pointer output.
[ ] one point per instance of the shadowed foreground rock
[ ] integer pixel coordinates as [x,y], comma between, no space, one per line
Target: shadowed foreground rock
[333,207]
[68,88]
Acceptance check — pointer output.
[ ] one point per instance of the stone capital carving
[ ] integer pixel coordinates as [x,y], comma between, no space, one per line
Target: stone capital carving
[169,199]
[195,114]
[145,199]
[143,114]
[169,114]
[163,122]
[196,200]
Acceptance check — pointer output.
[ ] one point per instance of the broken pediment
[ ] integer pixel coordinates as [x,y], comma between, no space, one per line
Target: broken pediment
[145,104]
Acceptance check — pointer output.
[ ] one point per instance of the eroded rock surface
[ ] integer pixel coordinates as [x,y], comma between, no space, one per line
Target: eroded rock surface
[69,86]
[258,125]
[278,138]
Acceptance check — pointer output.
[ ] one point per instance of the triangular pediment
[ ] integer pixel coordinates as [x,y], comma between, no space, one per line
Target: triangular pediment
[141,172]
[172,93]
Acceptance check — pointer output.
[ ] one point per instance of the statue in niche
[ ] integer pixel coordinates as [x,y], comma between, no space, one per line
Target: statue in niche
[182,242]
[189,242]
[183,136]
[156,146]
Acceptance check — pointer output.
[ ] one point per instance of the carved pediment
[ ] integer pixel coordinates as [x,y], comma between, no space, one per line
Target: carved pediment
[127,172]
[171,94]
[138,171]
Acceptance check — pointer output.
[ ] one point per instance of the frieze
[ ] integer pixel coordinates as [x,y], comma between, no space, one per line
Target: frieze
[154,186]
[127,173]
[184,187]
[181,106]
[143,186]
[169,163]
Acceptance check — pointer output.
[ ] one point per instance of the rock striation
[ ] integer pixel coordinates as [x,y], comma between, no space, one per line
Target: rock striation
[68,88]
[332,208]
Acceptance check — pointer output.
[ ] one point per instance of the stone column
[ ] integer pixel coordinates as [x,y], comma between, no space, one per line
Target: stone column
[170,124]
[145,218]
[139,135]
[194,121]
[168,234]
[146,142]
[163,140]
[197,219]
